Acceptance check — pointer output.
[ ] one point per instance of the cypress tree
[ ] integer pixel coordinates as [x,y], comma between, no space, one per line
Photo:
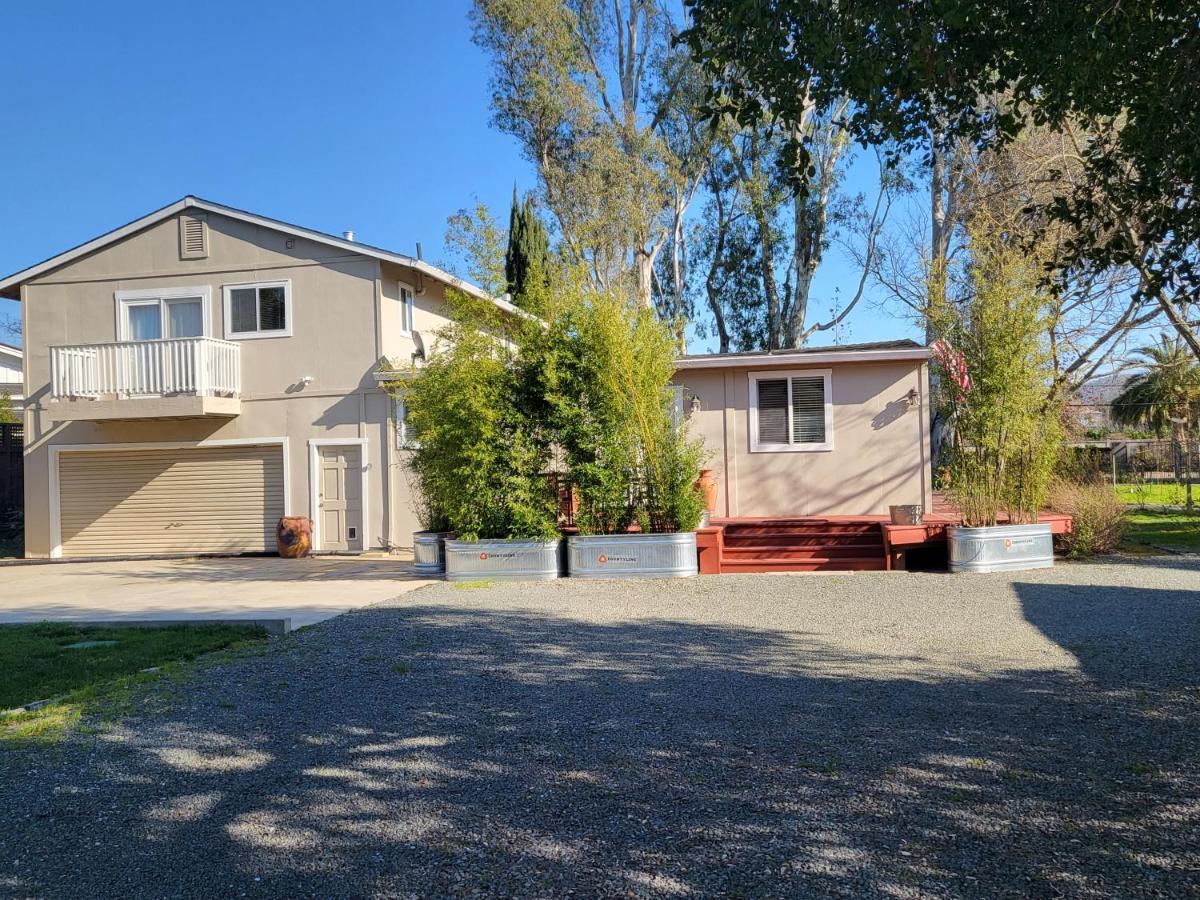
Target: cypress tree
[514,237]
[529,250]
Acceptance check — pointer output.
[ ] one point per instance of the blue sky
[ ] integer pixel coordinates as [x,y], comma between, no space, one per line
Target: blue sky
[369,115]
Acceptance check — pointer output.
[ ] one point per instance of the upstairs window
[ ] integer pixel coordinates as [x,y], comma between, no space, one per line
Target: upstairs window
[791,411]
[260,310]
[162,313]
[406,308]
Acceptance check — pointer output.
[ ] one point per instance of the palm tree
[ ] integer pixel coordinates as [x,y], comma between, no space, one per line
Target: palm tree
[1163,395]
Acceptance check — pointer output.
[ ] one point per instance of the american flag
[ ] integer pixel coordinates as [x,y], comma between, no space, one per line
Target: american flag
[955,366]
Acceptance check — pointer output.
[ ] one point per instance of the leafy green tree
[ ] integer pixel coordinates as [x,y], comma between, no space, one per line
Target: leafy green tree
[592,90]
[528,252]
[928,75]
[1164,397]
[477,243]
[7,415]
[998,383]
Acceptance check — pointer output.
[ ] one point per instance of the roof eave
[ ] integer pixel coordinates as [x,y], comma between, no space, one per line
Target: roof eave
[10,286]
[807,358]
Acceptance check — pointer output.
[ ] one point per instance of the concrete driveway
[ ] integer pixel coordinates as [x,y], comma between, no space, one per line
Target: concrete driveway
[261,588]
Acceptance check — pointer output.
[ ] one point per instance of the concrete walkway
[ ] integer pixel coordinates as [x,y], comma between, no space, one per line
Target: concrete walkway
[304,591]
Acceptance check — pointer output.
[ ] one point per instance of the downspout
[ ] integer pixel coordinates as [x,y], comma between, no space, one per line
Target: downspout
[924,437]
[731,504]
[385,445]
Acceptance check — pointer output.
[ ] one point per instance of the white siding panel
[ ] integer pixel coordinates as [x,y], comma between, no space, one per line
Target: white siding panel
[198,500]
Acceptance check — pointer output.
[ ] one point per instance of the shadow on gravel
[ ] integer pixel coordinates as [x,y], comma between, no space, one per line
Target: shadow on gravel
[432,751]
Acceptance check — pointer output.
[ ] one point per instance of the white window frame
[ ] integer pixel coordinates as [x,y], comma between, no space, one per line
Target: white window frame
[227,293]
[757,446]
[159,297]
[407,307]
[400,425]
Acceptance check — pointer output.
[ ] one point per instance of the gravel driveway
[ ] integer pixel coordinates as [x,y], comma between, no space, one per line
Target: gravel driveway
[875,734]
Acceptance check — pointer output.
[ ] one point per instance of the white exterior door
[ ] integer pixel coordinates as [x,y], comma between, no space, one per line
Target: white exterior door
[339,503]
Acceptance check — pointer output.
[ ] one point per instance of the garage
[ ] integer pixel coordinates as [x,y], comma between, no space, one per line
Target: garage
[131,502]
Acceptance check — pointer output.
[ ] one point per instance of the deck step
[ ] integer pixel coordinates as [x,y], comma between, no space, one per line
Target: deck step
[802,544]
[796,526]
[812,564]
[823,552]
[803,540]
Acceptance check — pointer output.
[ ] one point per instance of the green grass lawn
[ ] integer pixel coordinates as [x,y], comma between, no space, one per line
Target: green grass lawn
[1162,528]
[37,662]
[1156,494]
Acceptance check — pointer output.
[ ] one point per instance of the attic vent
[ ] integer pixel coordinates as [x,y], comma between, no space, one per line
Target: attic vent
[193,236]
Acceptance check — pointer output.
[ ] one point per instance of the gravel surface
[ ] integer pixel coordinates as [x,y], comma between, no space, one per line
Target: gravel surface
[873,734]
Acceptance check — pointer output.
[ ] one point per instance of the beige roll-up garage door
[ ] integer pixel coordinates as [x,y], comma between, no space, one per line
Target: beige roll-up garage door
[195,500]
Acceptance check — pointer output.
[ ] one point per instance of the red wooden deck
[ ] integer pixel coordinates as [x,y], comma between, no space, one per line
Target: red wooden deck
[827,543]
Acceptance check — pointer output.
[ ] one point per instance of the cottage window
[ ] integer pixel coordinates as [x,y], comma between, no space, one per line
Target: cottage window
[791,411]
[258,310]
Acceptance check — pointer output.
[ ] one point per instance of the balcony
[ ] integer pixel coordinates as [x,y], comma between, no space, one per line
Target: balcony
[169,379]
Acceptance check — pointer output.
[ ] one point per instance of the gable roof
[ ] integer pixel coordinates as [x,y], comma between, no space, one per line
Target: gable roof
[875,351]
[10,285]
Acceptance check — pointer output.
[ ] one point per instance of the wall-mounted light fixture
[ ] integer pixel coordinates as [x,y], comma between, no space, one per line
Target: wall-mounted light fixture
[695,404]
[306,380]
[912,396]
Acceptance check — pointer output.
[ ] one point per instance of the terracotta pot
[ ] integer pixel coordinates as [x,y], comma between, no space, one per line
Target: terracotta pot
[293,537]
[707,483]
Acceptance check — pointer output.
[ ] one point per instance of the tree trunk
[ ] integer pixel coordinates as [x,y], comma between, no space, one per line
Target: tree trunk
[770,288]
[644,270]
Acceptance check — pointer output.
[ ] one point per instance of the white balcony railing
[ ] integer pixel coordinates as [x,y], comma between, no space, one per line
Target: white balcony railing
[202,367]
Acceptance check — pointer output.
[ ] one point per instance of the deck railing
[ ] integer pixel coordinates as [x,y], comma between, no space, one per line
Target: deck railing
[204,367]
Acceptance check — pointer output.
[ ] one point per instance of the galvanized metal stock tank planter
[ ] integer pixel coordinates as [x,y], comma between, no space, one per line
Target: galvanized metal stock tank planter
[632,555]
[1000,548]
[503,560]
[429,552]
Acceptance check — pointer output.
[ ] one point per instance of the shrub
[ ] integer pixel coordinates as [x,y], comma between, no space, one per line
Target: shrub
[1097,514]
[481,456]
[590,379]
[614,408]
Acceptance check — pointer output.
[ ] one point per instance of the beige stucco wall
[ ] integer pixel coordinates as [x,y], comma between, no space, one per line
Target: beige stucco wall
[338,334]
[429,317]
[880,452]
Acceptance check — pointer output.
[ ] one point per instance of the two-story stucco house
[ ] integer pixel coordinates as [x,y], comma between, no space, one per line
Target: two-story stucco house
[194,375]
